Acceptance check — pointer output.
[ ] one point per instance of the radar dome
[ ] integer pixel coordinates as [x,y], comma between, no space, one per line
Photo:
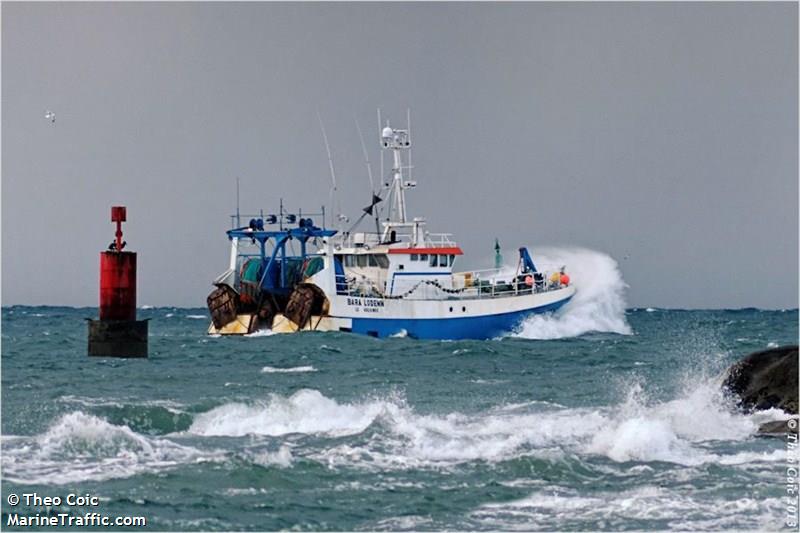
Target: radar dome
[387,132]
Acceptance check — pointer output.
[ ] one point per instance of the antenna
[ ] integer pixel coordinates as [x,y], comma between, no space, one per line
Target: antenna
[333,196]
[375,208]
[408,125]
[238,218]
[380,140]
[366,156]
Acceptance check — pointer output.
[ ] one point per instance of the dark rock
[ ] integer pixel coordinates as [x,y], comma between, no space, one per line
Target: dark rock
[778,428]
[766,379]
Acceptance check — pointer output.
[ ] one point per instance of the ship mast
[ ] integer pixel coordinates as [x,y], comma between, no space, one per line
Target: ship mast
[397,141]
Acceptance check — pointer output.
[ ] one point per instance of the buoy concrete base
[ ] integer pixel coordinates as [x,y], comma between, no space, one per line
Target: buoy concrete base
[117,338]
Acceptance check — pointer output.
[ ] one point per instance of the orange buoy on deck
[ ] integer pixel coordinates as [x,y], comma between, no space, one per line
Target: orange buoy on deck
[118,333]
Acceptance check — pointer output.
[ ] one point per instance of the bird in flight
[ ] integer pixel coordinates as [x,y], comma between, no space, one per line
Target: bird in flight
[50,116]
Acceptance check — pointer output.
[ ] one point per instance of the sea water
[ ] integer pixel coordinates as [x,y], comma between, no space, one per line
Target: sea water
[595,418]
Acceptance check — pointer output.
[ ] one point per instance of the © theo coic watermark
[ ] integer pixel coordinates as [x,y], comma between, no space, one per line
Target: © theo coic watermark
[792,474]
[72,510]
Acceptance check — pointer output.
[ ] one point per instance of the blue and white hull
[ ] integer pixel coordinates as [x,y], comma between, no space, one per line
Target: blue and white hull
[479,317]
[454,319]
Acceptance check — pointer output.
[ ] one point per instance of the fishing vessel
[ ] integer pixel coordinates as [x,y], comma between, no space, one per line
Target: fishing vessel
[288,274]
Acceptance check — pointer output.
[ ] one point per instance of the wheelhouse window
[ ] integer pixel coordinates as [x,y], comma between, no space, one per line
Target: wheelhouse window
[423,257]
[442,260]
[366,260]
[415,257]
[452,259]
[434,261]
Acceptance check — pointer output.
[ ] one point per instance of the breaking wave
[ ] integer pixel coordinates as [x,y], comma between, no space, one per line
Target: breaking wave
[306,411]
[598,304]
[395,436]
[672,431]
[81,447]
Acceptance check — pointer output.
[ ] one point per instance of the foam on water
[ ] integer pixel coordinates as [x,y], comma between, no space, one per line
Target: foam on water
[261,333]
[81,447]
[287,370]
[667,509]
[88,401]
[598,304]
[282,457]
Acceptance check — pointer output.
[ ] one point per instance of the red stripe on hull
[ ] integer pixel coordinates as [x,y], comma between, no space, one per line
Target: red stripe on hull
[455,250]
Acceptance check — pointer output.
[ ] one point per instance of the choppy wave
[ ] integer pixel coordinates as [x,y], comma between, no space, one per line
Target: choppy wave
[605,432]
[598,304]
[158,417]
[81,447]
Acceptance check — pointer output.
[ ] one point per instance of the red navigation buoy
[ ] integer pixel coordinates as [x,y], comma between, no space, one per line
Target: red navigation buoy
[117,276]
[118,333]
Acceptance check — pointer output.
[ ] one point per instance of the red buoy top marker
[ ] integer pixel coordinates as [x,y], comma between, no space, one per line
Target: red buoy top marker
[118,215]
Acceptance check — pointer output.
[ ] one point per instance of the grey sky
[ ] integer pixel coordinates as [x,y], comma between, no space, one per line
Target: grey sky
[664,133]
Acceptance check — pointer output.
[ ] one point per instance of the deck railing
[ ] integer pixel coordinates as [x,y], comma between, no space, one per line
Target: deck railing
[434,289]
